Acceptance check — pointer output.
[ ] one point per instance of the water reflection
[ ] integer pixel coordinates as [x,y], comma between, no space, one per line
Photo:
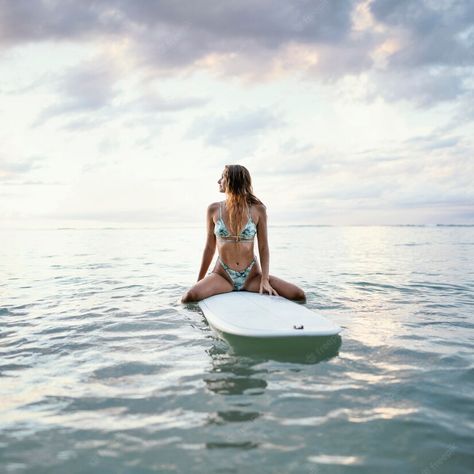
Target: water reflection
[302,350]
[232,416]
[237,376]
[234,369]
[234,375]
[241,445]
[238,368]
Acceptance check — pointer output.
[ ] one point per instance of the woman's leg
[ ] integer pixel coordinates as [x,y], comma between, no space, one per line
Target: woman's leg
[282,287]
[210,285]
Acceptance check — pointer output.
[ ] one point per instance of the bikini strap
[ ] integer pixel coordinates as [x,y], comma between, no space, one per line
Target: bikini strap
[220,210]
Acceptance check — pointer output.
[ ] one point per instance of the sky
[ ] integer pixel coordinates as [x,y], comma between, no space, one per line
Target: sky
[345,112]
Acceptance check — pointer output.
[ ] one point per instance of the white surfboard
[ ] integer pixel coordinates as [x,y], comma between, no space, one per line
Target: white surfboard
[243,313]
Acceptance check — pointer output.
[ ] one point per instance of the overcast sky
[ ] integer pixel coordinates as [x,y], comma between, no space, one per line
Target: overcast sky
[124,112]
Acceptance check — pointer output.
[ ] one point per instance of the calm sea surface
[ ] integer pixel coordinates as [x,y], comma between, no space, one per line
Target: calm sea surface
[102,370]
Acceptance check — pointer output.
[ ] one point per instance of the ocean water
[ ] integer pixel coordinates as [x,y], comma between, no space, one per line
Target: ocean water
[102,370]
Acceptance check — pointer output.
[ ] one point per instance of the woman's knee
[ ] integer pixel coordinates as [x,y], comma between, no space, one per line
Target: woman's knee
[295,293]
[190,296]
[299,295]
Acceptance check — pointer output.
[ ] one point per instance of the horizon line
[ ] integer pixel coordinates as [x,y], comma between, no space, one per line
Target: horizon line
[196,226]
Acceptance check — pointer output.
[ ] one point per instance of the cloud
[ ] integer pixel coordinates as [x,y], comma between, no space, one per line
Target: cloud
[171,36]
[152,103]
[429,170]
[11,169]
[90,93]
[23,21]
[293,146]
[226,27]
[268,22]
[33,183]
[432,141]
[87,87]
[243,124]
[108,215]
[251,40]
[316,146]
[418,50]
[433,32]
[423,88]
[430,57]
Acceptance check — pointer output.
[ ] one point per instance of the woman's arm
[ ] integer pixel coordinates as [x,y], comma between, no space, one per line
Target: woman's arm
[262,237]
[210,247]
[264,252]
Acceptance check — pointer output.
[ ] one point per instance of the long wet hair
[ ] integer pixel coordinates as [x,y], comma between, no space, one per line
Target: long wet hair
[239,195]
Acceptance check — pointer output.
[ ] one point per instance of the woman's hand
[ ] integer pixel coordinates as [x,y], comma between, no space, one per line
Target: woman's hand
[266,287]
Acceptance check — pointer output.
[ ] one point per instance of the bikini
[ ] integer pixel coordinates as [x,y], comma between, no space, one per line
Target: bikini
[246,235]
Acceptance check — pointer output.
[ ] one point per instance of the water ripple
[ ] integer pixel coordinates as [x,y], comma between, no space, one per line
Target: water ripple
[103,370]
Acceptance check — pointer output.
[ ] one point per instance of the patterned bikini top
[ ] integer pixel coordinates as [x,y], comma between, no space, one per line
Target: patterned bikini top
[247,233]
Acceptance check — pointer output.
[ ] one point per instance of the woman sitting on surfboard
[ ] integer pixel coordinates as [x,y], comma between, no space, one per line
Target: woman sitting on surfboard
[232,225]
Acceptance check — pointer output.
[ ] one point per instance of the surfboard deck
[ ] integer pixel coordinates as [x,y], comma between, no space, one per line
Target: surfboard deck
[243,313]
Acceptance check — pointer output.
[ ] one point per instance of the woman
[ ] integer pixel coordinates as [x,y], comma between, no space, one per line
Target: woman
[232,225]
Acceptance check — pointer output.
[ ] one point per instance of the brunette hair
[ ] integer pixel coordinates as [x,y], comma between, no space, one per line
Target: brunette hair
[239,194]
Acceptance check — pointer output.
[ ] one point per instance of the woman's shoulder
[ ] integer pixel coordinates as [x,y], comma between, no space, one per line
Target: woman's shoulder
[258,212]
[214,206]
[260,208]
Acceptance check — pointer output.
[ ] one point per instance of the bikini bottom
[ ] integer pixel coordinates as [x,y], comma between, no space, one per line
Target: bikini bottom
[238,278]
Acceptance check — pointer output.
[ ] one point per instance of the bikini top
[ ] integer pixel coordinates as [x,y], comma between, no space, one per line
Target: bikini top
[246,234]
